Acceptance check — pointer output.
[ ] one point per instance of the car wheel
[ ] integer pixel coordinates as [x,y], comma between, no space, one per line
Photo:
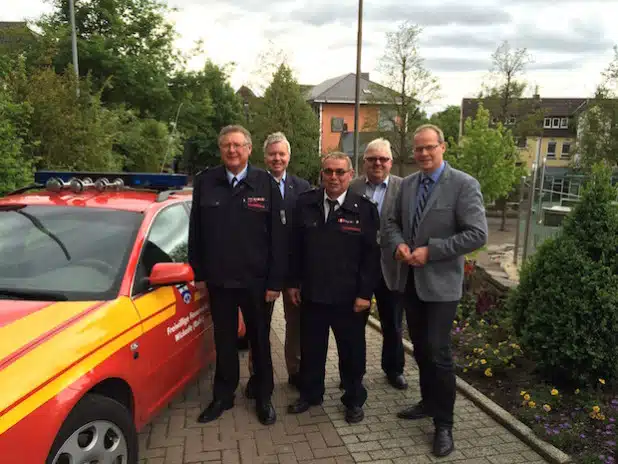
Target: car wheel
[98,429]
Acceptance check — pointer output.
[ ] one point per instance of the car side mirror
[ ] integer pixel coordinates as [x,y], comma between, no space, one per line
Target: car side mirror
[170,274]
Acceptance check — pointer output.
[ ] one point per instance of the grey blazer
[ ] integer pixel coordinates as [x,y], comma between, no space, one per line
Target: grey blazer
[390,267]
[452,225]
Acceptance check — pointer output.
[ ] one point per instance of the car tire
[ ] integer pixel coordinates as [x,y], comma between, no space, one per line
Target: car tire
[93,416]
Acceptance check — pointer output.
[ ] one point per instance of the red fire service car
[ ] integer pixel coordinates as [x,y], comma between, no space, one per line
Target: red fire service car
[100,321]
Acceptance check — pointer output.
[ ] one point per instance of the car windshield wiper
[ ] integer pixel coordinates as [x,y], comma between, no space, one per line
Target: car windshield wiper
[44,230]
[30,294]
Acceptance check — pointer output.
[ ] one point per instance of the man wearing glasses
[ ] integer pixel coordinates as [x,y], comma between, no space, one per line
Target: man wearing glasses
[439,217]
[381,186]
[237,248]
[334,269]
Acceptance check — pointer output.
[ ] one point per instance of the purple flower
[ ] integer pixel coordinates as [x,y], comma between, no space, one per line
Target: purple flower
[581,435]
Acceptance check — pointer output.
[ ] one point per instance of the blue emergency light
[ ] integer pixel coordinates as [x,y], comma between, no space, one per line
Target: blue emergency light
[80,181]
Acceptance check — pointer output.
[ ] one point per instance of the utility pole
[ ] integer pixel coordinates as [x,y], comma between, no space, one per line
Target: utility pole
[74,43]
[359,43]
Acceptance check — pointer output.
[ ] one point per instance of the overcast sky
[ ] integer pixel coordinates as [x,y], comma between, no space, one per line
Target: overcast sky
[570,40]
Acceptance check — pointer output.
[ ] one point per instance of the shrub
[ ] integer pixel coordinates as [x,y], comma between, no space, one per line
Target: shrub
[565,309]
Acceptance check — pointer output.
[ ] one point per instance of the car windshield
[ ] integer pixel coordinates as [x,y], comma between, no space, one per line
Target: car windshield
[64,253]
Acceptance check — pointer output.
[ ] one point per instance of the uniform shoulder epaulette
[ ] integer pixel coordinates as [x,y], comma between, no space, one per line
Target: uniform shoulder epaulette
[371,200]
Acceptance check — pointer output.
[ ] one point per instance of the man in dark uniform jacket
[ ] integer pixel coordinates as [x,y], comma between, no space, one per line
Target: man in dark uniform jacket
[334,268]
[277,153]
[238,250]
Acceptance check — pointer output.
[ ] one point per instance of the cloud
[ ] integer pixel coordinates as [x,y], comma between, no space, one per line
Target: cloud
[561,65]
[435,15]
[456,64]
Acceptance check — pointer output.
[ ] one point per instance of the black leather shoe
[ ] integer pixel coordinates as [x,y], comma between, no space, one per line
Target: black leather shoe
[266,412]
[443,444]
[301,405]
[398,381]
[418,411]
[294,380]
[214,410]
[249,391]
[354,414]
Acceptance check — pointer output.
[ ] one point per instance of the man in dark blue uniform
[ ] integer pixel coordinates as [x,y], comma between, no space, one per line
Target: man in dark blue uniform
[238,250]
[334,268]
[277,153]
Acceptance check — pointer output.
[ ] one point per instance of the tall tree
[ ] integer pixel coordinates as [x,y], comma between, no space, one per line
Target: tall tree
[598,141]
[448,121]
[126,46]
[285,109]
[67,131]
[488,154]
[205,102]
[15,167]
[408,87]
[503,96]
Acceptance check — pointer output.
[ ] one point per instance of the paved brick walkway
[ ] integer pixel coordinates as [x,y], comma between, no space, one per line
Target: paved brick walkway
[321,435]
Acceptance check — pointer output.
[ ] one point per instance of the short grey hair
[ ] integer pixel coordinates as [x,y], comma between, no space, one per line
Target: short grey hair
[277,137]
[235,128]
[432,127]
[337,155]
[380,144]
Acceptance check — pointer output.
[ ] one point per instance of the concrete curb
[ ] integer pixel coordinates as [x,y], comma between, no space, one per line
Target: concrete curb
[518,428]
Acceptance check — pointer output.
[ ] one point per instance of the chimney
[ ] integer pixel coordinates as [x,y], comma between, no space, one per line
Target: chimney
[365,76]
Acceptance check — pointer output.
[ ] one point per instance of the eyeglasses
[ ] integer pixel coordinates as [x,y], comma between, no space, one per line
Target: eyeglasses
[339,172]
[236,146]
[429,148]
[375,159]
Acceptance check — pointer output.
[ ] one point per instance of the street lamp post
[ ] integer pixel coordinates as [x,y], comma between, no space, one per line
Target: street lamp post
[74,43]
[359,43]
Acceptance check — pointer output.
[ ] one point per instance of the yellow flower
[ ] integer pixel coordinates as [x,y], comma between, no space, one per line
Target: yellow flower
[602,381]
[596,408]
[522,393]
[465,369]
[488,372]
[577,391]
[495,326]
[527,397]
[487,345]
[547,407]
[532,404]
[554,392]
[483,361]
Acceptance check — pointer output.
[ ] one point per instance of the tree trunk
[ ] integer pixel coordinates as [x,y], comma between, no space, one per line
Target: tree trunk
[502,206]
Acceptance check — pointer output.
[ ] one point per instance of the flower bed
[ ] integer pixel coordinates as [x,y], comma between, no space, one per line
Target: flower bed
[579,421]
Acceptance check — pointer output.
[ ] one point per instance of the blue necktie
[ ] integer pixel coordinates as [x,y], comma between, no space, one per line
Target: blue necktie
[422,202]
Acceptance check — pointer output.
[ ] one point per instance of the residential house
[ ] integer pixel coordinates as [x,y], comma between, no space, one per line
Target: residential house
[15,36]
[557,129]
[333,101]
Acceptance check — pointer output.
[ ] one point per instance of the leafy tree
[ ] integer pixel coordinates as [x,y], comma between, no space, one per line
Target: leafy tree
[145,144]
[126,46]
[15,168]
[487,154]
[503,96]
[205,103]
[284,108]
[599,125]
[565,309]
[448,121]
[408,88]
[66,131]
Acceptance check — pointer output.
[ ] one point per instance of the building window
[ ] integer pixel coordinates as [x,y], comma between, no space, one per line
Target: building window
[547,123]
[551,150]
[566,151]
[386,119]
[522,142]
[336,125]
[555,123]
[564,123]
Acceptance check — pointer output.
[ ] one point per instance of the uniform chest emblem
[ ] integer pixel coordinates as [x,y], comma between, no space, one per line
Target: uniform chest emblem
[256,202]
[348,221]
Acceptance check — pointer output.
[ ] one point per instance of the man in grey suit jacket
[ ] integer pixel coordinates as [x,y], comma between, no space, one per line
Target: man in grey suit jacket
[382,187]
[439,216]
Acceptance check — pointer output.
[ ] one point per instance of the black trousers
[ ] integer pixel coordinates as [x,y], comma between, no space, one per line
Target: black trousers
[316,320]
[224,303]
[430,325]
[390,311]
